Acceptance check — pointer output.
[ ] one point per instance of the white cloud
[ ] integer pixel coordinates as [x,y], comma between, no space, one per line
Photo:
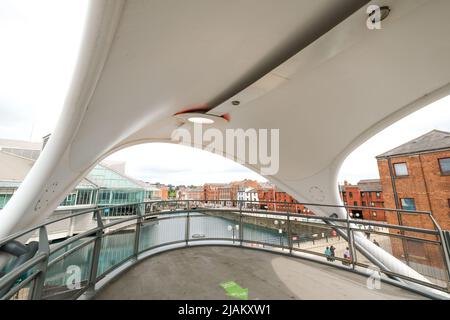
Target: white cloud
[40,41]
[361,164]
[177,164]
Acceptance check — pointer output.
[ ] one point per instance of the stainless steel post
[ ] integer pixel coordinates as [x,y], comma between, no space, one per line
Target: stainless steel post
[289,231]
[186,236]
[445,242]
[350,241]
[138,231]
[241,229]
[445,246]
[96,252]
[44,248]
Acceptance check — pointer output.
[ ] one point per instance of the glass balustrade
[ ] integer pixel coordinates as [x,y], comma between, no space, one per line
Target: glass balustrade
[122,234]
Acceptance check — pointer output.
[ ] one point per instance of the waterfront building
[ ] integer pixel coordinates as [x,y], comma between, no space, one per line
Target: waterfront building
[416,176]
[366,193]
[191,193]
[249,197]
[272,198]
[105,185]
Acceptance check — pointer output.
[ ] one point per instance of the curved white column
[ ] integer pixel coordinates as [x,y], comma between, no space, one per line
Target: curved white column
[54,174]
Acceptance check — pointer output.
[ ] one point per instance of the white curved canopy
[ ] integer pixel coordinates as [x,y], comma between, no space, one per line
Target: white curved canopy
[310,68]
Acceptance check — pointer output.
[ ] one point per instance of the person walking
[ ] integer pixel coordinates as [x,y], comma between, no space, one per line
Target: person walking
[347,257]
[328,253]
[333,252]
[376,242]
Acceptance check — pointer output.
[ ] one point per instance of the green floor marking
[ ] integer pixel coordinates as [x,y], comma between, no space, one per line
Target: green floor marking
[234,290]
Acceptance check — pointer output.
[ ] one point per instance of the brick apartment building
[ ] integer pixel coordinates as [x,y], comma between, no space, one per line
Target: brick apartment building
[366,193]
[191,193]
[268,194]
[164,193]
[416,176]
[226,193]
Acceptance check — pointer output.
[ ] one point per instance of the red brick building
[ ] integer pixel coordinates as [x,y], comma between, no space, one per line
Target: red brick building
[226,193]
[191,193]
[269,194]
[366,193]
[416,176]
[164,193]
[211,191]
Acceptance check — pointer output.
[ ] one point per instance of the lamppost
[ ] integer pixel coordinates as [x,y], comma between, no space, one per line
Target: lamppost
[233,229]
[280,230]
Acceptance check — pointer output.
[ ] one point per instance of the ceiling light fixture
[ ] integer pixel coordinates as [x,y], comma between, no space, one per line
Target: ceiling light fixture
[200,118]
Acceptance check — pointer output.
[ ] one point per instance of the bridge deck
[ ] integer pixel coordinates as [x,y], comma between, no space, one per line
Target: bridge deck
[197,272]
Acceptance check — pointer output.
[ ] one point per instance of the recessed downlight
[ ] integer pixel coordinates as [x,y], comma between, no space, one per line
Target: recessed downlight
[201,120]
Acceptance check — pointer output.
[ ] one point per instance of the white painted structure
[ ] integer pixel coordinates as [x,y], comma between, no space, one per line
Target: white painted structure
[310,68]
[247,195]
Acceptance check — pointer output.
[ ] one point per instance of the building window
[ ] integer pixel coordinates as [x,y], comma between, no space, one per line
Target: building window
[4,198]
[408,204]
[363,203]
[401,169]
[355,203]
[378,195]
[444,164]
[104,197]
[363,194]
[84,197]
[350,194]
[69,200]
[374,214]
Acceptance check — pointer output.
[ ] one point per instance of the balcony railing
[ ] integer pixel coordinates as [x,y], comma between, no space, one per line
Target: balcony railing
[119,236]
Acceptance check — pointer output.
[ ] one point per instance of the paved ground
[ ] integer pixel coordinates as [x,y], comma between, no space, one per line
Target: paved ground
[196,273]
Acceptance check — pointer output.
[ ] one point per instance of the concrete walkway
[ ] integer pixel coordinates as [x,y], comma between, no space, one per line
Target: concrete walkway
[197,272]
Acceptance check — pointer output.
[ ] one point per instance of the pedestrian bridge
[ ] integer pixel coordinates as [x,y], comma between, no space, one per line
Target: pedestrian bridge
[325,76]
[266,275]
[274,254]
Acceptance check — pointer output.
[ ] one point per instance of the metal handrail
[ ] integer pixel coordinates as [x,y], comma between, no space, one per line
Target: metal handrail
[312,204]
[18,287]
[22,269]
[66,217]
[97,232]
[405,228]
[299,215]
[68,252]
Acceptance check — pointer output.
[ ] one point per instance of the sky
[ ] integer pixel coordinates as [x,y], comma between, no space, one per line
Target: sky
[38,50]
[180,165]
[361,164]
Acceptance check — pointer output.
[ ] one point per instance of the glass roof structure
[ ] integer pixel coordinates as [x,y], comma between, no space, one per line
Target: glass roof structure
[107,178]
